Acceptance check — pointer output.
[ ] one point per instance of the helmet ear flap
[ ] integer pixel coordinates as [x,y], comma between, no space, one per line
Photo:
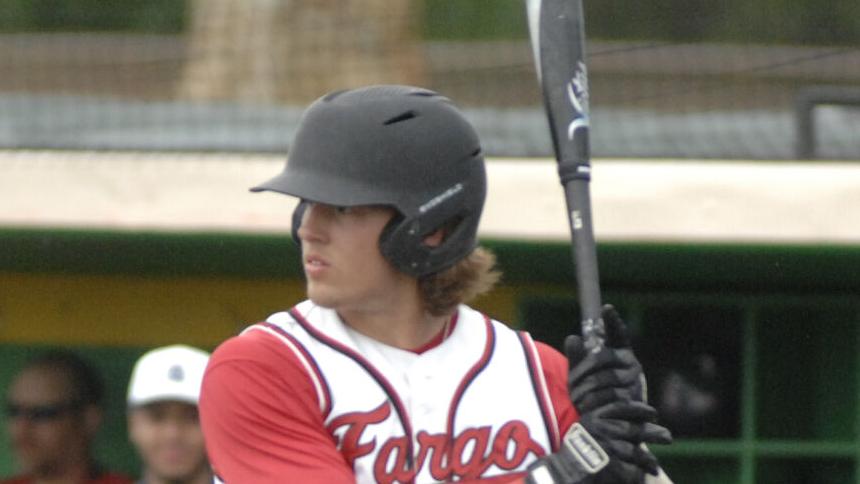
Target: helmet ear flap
[298,213]
[402,241]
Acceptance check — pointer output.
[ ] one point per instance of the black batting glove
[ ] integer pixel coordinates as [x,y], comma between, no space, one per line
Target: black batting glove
[608,375]
[580,459]
[600,449]
[607,387]
[620,428]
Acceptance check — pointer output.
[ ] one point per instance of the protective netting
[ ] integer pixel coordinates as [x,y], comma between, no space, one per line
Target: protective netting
[235,75]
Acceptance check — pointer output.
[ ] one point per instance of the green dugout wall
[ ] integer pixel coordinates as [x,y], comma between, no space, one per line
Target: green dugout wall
[776,324]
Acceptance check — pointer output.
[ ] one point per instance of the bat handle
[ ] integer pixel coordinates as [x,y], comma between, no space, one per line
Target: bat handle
[576,184]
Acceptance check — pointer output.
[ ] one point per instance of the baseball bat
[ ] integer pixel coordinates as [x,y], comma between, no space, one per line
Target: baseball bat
[557,30]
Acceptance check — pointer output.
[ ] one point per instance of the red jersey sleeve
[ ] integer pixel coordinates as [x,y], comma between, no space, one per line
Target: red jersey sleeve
[555,369]
[261,416]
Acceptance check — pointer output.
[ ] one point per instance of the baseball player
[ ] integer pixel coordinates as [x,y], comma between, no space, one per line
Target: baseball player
[384,374]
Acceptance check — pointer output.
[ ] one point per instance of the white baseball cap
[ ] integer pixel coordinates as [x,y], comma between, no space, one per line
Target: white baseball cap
[172,373]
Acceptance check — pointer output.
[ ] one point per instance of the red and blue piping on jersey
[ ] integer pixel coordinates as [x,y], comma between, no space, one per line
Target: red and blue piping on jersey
[474,371]
[380,379]
[541,391]
[306,359]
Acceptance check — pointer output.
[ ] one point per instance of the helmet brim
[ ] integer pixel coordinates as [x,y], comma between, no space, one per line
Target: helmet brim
[331,191]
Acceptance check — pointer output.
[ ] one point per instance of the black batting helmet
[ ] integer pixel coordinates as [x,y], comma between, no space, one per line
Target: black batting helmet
[404,147]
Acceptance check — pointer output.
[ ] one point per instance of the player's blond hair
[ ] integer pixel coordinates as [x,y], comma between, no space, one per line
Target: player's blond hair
[470,277]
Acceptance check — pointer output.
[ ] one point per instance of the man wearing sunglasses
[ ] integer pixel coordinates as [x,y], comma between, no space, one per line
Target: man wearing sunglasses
[53,411]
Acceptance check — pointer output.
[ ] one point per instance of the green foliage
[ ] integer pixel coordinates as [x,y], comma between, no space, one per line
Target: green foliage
[474,19]
[763,21]
[156,16]
[832,22]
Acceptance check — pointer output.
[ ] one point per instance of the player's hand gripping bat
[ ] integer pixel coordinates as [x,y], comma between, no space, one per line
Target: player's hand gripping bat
[558,39]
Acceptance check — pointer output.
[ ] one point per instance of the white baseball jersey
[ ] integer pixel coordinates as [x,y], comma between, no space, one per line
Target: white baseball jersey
[476,405]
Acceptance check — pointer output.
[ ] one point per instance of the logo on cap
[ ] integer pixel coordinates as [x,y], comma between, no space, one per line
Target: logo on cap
[176,373]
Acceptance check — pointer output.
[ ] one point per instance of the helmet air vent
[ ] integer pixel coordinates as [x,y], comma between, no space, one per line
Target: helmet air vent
[401,117]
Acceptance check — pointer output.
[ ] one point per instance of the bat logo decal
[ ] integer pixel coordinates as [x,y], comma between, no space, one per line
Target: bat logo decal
[577,93]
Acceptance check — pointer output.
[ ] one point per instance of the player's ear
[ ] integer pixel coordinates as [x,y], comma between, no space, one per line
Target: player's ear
[435,239]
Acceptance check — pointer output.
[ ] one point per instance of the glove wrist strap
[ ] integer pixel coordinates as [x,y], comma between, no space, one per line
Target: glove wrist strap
[580,456]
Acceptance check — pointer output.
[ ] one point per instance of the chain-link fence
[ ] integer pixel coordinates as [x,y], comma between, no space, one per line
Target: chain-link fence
[677,80]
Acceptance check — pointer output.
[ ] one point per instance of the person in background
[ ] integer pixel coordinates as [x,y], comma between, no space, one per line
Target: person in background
[162,416]
[54,409]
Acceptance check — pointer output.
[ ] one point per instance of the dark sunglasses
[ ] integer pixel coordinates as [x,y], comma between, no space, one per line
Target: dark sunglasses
[40,413]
